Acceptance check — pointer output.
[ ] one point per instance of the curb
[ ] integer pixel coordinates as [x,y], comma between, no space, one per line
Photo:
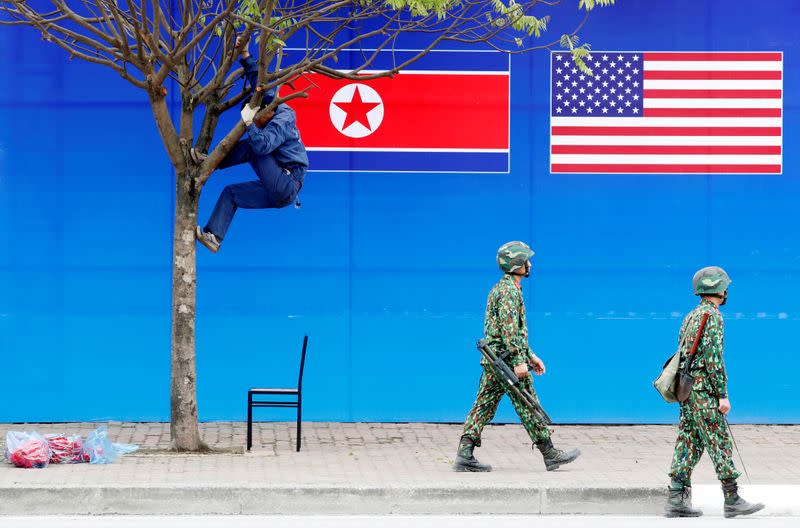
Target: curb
[289,500]
[385,500]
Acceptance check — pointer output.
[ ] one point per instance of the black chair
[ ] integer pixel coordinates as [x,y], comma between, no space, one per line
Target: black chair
[285,403]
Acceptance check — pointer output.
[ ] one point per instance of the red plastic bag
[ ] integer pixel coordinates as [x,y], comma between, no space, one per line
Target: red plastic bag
[77,451]
[27,450]
[65,449]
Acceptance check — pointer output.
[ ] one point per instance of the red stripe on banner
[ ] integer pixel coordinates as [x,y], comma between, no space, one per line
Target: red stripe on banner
[713,94]
[713,75]
[664,131]
[671,169]
[664,149]
[420,111]
[712,56]
[712,112]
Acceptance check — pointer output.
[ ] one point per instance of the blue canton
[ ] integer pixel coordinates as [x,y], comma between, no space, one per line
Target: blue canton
[615,90]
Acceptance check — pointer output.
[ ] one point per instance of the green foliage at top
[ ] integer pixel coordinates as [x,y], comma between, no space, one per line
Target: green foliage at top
[579,52]
[422,8]
[590,4]
[500,14]
[519,20]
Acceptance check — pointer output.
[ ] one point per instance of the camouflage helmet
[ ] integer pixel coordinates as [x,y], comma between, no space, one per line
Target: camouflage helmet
[712,280]
[513,255]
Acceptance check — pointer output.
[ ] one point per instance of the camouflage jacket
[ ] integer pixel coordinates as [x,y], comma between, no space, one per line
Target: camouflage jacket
[708,367]
[505,327]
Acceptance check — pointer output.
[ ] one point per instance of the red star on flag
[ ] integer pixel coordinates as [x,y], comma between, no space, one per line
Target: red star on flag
[356,110]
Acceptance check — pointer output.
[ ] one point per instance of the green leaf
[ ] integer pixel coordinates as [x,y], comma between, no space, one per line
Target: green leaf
[588,5]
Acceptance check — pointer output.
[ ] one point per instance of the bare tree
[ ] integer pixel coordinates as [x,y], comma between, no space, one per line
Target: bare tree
[192,42]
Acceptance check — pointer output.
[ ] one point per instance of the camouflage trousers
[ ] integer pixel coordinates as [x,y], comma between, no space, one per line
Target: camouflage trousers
[702,429]
[490,392]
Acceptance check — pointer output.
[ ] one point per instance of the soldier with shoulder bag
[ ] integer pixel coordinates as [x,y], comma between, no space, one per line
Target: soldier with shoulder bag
[697,380]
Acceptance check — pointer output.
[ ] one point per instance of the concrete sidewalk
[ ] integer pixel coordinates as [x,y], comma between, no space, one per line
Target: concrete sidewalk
[392,468]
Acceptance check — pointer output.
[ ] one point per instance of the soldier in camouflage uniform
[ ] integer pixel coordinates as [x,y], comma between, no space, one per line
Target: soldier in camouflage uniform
[702,420]
[506,330]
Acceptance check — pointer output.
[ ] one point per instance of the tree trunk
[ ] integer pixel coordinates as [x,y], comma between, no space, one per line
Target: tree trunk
[185,432]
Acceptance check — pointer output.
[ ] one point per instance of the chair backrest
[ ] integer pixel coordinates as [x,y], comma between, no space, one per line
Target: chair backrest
[302,362]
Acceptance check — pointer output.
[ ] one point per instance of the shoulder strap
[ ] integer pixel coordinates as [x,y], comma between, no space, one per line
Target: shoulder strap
[696,343]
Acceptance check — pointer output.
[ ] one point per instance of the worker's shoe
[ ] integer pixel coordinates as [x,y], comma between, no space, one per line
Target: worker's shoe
[734,504]
[198,156]
[679,502]
[555,458]
[465,460]
[209,240]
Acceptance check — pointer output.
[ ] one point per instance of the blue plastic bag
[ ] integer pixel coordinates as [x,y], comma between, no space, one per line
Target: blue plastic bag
[101,450]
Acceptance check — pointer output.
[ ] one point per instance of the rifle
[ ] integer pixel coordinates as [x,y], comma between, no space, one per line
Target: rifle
[502,371]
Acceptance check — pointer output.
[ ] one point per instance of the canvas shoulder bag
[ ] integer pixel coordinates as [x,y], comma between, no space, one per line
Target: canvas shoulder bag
[666,383]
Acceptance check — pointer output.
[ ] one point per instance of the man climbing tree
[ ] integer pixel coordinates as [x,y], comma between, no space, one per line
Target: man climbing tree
[274,150]
[189,47]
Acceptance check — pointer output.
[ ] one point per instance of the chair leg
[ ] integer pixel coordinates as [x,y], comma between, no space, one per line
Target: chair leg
[249,421]
[299,423]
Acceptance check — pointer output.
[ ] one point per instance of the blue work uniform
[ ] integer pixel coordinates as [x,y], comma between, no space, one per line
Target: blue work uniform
[278,158]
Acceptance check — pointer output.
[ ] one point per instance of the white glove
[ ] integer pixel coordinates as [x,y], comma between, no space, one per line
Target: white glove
[248,114]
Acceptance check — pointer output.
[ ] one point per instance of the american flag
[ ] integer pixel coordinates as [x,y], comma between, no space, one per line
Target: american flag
[656,112]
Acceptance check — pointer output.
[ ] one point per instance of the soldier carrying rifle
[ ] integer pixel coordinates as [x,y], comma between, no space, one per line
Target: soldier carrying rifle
[506,332]
[702,425]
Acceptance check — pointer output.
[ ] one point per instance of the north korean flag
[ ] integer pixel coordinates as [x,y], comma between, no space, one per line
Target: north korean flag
[449,112]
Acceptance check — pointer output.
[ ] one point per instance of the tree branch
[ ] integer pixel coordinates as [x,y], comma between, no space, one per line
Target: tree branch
[166,129]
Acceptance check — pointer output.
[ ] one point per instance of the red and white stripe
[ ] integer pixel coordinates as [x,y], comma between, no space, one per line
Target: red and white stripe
[704,113]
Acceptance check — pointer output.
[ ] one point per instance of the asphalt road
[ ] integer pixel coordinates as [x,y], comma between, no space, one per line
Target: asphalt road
[432,521]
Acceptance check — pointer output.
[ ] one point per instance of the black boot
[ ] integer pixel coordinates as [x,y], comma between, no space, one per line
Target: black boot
[679,503]
[465,460]
[734,504]
[554,458]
